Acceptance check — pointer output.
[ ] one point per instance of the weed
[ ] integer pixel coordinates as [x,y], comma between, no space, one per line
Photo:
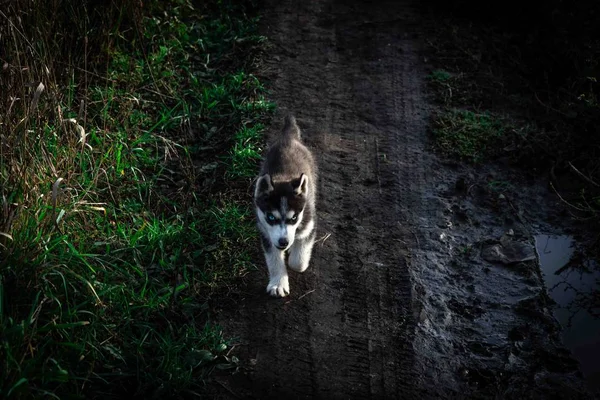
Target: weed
[533,67]
[466,250]
[499,186]
[444,84]
[468,135]
[121,125]
[246,152]
[441,76]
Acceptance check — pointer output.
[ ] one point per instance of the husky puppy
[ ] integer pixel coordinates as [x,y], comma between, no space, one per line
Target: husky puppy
[285,201]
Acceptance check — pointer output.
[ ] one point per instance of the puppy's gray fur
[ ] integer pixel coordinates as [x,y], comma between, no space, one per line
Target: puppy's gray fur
[285,206]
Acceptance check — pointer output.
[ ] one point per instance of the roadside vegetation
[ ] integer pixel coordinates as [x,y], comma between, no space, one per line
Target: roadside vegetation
[521,86]
[129,134]
[474,137]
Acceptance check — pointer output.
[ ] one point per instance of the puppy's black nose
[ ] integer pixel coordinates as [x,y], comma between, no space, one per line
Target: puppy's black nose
[283,242]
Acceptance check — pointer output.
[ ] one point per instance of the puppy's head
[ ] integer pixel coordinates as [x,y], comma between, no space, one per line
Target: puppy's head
[280,208]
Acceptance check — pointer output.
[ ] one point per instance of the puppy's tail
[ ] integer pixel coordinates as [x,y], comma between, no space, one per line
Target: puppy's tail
[290,127]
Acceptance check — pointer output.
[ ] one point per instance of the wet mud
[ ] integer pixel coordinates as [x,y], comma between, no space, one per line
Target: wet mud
[425,283]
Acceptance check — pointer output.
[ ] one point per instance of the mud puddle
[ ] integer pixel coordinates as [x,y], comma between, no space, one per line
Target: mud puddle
[426,283]
[573,282]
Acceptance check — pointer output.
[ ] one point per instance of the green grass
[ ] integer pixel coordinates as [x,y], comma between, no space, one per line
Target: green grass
[444,85]
[440,76]
[474,137]
[499,186]
[119,221]
[246,151]
[545,84]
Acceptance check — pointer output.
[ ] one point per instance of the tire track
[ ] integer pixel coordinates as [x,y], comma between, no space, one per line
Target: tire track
[346,330]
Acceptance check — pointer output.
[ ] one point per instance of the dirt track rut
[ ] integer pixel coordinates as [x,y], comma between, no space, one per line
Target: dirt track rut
[350,73]
[399,301]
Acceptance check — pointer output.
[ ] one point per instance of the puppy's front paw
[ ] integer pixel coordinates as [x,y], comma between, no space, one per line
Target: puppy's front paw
[279,286]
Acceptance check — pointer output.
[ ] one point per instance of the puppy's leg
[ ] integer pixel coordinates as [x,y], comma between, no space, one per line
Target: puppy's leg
[278,278]
[300,253]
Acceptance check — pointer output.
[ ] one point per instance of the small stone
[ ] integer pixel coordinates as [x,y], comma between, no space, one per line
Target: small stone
[510,232]
[508,253]
[501,196]
[443,188]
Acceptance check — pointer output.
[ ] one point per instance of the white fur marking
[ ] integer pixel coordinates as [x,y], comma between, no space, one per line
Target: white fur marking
[300,254]
[279,285]
[282,232]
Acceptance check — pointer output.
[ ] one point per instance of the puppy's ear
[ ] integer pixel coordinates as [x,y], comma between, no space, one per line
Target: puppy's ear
[264,185]
[300,185]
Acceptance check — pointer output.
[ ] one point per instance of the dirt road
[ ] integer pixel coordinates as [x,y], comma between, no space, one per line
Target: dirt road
[383,311]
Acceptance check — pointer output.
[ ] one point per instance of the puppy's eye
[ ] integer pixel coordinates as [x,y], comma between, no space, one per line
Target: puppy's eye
[294,218]
[270,217]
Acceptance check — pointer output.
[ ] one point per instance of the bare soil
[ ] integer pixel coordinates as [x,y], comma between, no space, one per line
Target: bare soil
[398,301]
